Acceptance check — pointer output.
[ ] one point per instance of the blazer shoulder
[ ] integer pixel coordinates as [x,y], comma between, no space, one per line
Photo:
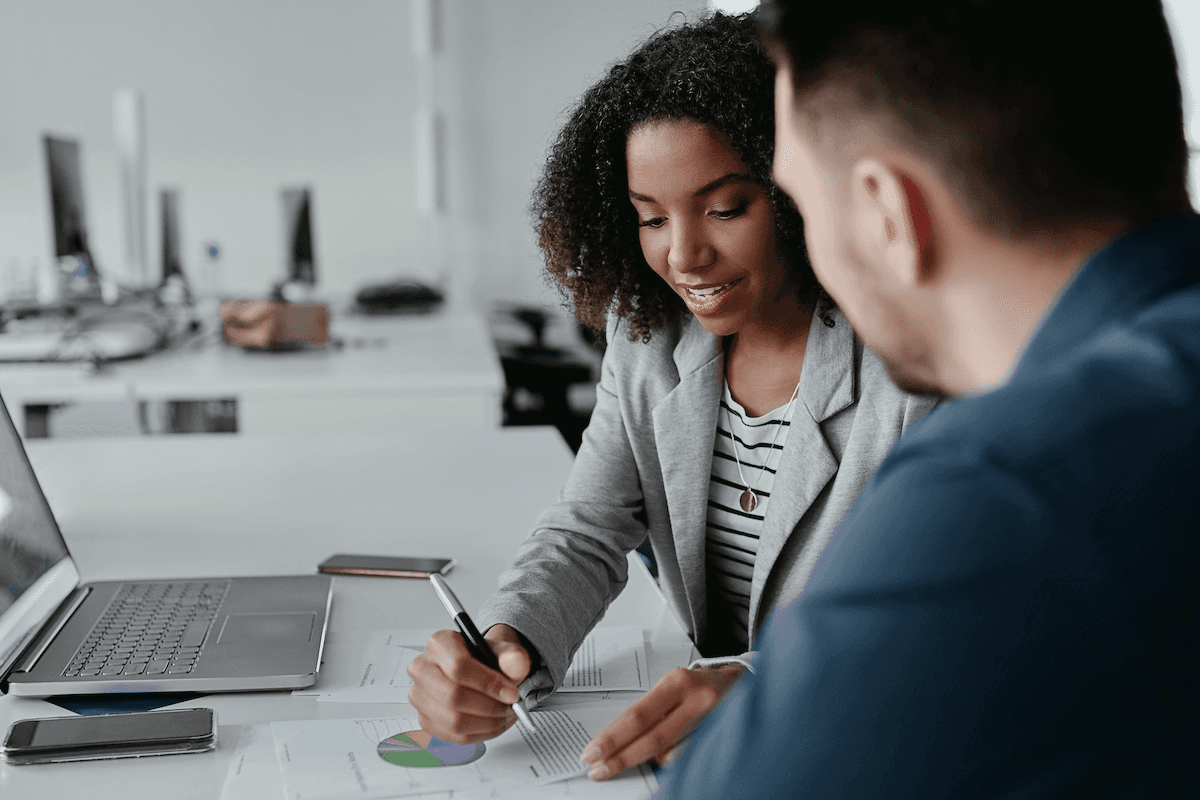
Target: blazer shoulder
[877,386]
[638,360]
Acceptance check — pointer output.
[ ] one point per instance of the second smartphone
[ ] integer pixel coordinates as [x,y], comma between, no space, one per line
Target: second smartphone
[385,566]
[89,738]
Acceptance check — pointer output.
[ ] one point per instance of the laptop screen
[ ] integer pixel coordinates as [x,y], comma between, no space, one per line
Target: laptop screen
[30,543]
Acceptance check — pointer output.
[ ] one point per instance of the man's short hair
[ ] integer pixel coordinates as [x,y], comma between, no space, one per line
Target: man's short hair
[1038,113]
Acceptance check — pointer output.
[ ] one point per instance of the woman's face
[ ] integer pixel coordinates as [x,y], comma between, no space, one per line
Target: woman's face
[705,226]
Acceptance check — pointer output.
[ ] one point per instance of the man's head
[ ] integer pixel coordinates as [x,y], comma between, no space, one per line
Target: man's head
[917,137]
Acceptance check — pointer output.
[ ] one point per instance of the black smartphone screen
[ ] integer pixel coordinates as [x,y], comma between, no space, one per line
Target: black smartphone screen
[387,566]
[105,730]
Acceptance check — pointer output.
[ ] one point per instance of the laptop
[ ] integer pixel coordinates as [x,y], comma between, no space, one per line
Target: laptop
[58,637]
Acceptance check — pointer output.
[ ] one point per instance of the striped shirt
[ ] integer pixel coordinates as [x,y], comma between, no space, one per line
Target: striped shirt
[732,538]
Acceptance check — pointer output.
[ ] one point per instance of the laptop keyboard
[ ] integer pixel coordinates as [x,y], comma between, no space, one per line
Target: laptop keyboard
[150,629]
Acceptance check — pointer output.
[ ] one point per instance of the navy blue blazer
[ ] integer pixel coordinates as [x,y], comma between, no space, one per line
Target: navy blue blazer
[1012,609]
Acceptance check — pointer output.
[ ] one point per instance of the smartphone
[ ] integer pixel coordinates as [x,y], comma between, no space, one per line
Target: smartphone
[147,733]
[385,566]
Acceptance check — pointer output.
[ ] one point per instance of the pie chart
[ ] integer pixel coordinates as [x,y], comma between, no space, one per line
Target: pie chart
[420,749]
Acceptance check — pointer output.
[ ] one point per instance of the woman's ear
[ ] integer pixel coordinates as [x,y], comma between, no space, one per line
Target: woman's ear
[891,221]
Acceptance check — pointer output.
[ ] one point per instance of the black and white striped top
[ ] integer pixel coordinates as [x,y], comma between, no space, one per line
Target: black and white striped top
[732,541]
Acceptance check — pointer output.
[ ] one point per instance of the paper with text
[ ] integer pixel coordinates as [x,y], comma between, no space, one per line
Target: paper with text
[638,783]
[609,659]
[367,666]
[383,672]
[254,772]
[326,759]
[254,775]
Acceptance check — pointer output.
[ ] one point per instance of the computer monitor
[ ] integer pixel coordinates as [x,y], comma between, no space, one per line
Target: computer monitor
[66,203]
[172,259]
[298,246]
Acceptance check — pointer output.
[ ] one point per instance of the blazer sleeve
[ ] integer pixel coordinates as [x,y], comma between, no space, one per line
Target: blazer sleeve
[574,563]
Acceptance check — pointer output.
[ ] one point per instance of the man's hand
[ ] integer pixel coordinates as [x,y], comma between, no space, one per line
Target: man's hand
[653,726]
[458,698]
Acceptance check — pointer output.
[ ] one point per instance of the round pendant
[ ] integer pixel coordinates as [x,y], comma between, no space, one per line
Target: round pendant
[749,500]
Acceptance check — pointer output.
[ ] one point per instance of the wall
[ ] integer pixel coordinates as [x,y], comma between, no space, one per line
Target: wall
[243,98]
[1184,18]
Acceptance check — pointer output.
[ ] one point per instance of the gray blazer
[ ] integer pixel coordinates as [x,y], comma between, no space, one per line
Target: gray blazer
[643,469]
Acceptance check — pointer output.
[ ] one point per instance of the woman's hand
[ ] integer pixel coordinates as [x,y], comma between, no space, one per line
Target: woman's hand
[655,724]
[459,699]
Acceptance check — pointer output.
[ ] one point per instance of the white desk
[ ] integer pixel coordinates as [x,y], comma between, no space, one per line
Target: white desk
[390,373]
[212,505]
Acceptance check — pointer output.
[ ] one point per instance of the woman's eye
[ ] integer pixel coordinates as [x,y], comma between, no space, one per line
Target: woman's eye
[657,222]
[736,211]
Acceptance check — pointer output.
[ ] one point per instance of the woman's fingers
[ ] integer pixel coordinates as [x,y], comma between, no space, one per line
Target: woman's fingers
[514,660]
[655,724]
[458,698]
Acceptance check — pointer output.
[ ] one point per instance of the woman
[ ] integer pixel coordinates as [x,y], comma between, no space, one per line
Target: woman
[736,417]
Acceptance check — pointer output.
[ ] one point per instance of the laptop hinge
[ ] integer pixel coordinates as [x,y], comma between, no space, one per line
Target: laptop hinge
[69,606]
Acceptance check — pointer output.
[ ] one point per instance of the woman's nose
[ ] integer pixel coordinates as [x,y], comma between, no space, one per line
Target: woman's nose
[690,249]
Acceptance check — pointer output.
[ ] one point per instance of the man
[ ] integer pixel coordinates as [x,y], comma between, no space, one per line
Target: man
[994,194]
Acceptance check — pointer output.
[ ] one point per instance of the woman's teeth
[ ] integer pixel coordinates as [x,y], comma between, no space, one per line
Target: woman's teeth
[709,291]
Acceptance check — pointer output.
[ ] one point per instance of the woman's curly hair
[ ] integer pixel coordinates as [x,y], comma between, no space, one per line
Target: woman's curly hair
[715,72]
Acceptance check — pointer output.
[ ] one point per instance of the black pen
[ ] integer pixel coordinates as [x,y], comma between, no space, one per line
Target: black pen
[475,642]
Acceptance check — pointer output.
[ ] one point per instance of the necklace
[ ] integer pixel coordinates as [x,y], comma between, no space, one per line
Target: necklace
[749,500]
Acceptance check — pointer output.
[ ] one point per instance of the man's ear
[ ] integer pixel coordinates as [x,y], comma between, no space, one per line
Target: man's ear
[891,221]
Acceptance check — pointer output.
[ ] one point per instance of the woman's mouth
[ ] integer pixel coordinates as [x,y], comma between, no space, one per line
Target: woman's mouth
[708,300]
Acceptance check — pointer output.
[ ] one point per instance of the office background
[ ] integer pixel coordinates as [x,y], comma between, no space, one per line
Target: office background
[242,98]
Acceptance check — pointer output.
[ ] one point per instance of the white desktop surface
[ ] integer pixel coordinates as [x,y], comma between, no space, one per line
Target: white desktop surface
[232,505]
[439,351]
[387,371]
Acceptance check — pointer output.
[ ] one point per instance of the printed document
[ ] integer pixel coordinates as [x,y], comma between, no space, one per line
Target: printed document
[378,675]
[609,659]
[254,775]
[382,675]
[638,783]
[392,757]
[254,772]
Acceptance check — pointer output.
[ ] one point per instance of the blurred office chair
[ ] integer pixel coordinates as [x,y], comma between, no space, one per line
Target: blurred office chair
[539,378]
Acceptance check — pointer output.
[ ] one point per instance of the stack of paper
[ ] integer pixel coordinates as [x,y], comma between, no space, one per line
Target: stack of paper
[610,659]
[389,756]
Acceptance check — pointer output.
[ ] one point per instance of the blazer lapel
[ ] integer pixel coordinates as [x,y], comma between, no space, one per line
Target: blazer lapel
[806,464]
[685,425]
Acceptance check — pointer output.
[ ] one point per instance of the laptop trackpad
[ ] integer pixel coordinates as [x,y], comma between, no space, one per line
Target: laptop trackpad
[267,628]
